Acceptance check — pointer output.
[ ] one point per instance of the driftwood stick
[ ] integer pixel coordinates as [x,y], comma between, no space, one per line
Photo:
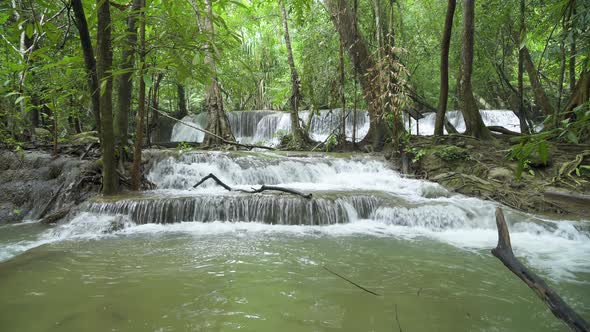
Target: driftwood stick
[253,191]
[216,179]
[285,190]
[351,282]
[558,307]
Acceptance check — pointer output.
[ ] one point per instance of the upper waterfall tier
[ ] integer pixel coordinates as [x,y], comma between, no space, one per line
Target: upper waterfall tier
[314,172]
[267,126]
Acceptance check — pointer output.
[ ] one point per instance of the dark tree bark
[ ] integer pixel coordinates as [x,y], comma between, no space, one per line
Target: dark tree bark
[89,59]
[524,128]
[345,22]
[540,96]
[473,121]
[104,62]
[298,134]
[140,119]
[342,91]
[217,119]
[444,69]
[554,302]
[182,110]
[561,82]
[125,86]
[573,51]
[580,94]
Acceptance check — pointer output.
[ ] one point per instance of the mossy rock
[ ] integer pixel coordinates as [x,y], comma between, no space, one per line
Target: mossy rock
[85,138]
[450,153]
[43,135]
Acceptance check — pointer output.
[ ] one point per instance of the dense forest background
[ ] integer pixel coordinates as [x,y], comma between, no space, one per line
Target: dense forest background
[75,66]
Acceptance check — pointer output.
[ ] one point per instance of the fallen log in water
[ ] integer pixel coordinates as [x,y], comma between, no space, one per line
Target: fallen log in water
[253,191]
[558,307]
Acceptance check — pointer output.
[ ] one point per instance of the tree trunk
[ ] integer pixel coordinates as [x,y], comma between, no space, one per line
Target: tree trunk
[342,91]
[580,94]
[540,96]
[345,23]
[139,122]
[473,121]
[573,51]
[182,109]
[524,128]
[89,59]
[104,62]
[125,80]
[444,69]
[218,122]
[561,81]
[297,132]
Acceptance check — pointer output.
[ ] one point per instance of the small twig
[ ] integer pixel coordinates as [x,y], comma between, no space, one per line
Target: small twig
[216,179]
[397,319]
[352,282]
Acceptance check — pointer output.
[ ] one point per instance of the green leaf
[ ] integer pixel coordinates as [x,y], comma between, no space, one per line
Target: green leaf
[19,100]
[103,87]
[572,137]
[29,30]
[147,79]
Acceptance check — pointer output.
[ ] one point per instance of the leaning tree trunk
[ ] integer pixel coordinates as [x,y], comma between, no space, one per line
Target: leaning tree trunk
[473,121]
[125,80]
[345,22]
[218,122]
[580,94]
[104,52]
[298,134]
[540,96]
[89,59]
[444,69]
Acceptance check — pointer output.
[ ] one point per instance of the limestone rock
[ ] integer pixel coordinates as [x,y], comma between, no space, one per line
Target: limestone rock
[501,174]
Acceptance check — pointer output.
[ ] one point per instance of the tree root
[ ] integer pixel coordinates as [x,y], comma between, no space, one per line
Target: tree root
[558,307]
[253,191]
[565,176]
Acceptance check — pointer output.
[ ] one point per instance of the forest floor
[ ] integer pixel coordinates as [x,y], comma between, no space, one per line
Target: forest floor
[483,169]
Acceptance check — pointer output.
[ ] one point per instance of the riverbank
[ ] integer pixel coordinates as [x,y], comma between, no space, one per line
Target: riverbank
[482,169]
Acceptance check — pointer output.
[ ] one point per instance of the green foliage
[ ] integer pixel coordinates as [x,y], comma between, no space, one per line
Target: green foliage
[418,153]
[331,142]
[183,147]
[450,153]
[533,150]
[577,130]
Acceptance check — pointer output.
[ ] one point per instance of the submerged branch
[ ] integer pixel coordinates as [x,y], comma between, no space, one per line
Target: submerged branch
[558,307]
[253,191]
[351,282]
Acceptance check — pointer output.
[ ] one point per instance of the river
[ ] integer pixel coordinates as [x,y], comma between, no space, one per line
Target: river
[183,259]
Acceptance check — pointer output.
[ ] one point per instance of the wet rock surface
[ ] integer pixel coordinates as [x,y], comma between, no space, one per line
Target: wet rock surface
[34,184]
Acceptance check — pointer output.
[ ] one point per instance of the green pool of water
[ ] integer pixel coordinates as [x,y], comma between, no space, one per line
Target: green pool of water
[261,281]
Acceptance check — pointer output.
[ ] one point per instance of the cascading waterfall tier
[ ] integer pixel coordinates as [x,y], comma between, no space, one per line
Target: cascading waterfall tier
[262,208]
[267,126]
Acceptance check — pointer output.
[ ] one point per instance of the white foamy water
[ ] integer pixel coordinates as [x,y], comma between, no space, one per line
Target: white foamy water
[355,196]
[265,126]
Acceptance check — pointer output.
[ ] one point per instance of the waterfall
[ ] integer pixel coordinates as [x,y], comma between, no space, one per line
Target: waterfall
[503,118]
[267,208]
[267,126]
